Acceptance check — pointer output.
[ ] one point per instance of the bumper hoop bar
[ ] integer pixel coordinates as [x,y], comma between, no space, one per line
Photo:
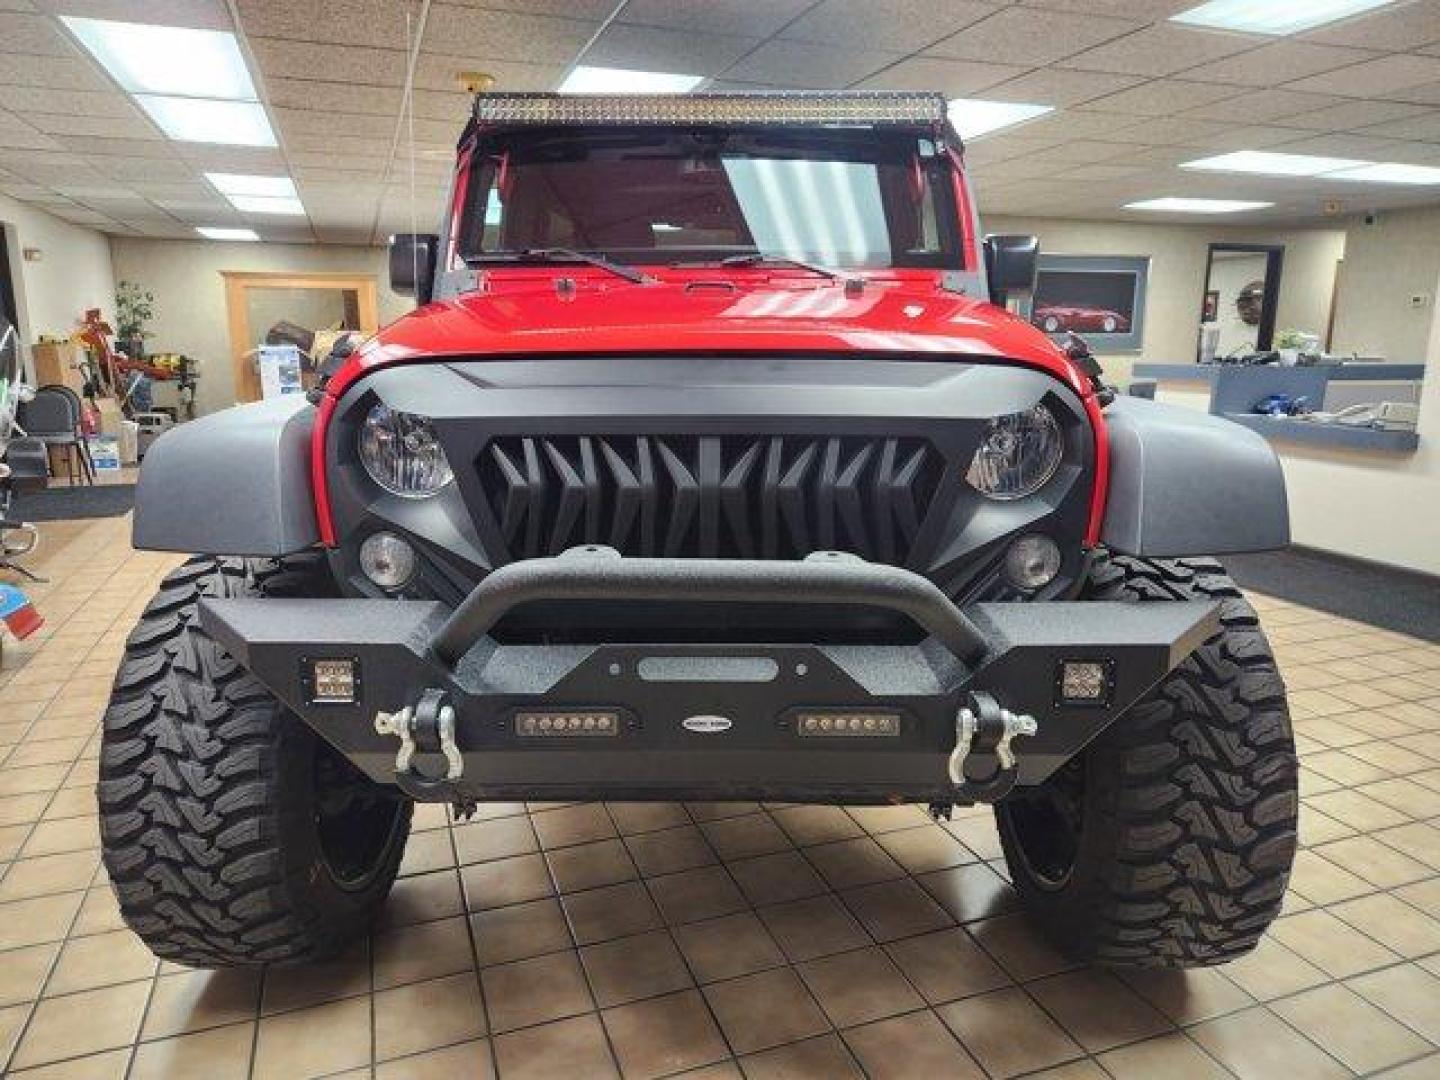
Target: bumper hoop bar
[600,573]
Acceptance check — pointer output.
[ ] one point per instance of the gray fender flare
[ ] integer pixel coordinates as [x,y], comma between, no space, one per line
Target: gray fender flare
[235,482]
[1187,483]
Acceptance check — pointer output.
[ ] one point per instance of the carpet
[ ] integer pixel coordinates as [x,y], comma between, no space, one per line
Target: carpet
[1400,600]
[63,503]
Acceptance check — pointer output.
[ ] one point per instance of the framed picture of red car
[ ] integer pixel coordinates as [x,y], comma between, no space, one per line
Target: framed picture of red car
[1101,297]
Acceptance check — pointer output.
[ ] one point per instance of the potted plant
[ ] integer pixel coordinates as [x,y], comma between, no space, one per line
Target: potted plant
[1288,344]
[134,308]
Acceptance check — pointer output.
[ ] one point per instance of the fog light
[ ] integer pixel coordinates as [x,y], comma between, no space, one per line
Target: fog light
[1032,562]
[1084,682]
[330,681]
[591,722]
[847,724]
[387,560]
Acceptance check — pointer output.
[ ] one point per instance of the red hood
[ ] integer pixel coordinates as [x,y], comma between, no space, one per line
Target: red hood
[523,313]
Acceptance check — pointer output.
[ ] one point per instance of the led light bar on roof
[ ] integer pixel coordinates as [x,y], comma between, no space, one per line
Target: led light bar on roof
[710,109]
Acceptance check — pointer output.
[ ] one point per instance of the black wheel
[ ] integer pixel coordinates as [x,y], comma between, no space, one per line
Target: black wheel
[1168,842]
[232,833]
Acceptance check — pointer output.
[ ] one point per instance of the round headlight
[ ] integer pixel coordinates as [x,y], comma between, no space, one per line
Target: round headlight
[402,454]
[1018,453]
[1032,562]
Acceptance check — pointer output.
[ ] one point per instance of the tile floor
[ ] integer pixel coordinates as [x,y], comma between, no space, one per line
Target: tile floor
[651,940]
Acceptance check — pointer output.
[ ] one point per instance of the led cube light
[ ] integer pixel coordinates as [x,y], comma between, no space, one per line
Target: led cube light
[1084,682]
[331,681]
[847,724]
[582,723]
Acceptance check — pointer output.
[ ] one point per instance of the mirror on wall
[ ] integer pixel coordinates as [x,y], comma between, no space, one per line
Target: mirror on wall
[1242,293]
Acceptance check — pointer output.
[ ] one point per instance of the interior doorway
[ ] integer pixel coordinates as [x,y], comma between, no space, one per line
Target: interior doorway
[299,309]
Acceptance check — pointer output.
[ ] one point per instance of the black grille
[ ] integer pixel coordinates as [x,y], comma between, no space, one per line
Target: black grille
[763,496]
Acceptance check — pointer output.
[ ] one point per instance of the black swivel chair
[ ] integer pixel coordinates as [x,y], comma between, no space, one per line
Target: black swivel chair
[53,417]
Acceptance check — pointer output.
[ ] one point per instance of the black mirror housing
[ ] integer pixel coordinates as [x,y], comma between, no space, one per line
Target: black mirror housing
[1011,264]
[413,258]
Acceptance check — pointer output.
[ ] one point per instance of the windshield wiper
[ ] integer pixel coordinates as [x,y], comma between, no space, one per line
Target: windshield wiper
[558,254]
[756,258]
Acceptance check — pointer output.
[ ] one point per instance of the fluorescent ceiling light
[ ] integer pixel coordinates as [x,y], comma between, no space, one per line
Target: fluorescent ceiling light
[1196,206]
[1273,16]
[214,232]
[1389,173]
[147,59]
[266,204]
[974,117]
[233,123]
[605,80]
[242,184]
[1266,163]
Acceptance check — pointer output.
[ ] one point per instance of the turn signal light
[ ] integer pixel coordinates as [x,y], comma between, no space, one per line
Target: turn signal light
[590,722]
[847,724]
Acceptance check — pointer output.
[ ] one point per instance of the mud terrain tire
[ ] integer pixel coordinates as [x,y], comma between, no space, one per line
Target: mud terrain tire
[233,834]
[1182,816]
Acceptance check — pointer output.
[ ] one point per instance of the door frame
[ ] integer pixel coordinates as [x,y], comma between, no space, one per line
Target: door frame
[242,339]
[1274,267]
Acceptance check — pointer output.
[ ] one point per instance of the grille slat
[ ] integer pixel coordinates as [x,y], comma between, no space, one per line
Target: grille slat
[765,496]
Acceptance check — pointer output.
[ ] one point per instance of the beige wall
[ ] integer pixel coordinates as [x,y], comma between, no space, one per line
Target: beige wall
[1385,264]
[1178,256]
[190,314]
[74,271]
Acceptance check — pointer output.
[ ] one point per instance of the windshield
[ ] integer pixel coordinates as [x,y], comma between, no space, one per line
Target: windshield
[842,197]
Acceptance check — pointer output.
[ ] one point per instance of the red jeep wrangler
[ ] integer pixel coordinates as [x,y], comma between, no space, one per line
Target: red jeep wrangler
[711,466]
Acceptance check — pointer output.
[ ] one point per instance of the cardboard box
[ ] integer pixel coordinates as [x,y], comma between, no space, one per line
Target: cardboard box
[59,364]
[111,416]
[105,454]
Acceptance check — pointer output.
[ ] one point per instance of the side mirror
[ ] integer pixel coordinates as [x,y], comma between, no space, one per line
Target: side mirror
[412,264]
[1011,263]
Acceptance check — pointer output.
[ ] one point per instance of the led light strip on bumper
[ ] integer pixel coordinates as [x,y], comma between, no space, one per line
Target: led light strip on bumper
[709,109]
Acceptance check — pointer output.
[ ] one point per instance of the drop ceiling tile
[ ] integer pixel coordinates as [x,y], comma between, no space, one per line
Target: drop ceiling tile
[1002,147]
[438,71]
[367,164]
[1104,172]
[339,22]
[595,10]
[452,108]
[1070,124]
[16,134]
[1161,97]
[502,34]
[1343,144]
[134,168]
[1425,94]
[738,17]
[53,71]
[1059,87]
[1425,128]
[1355,114]
[51,99]
[341,146]
[900,25]
[798,63]
[330,63]
[652,48]
[1060,158]
[1030,37]
[1374,78]
[104,127]
[1281,62]
[1255,105]
[1399,27]
[95,147]
[953,78]
[195,14]
[1172,131]
[1151,10]
[238,159]
[81,215]
[1162,49]
[295,122]
[35,35]
[284,93]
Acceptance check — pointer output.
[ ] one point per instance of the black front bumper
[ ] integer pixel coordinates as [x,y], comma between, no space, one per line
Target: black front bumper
[697,720]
